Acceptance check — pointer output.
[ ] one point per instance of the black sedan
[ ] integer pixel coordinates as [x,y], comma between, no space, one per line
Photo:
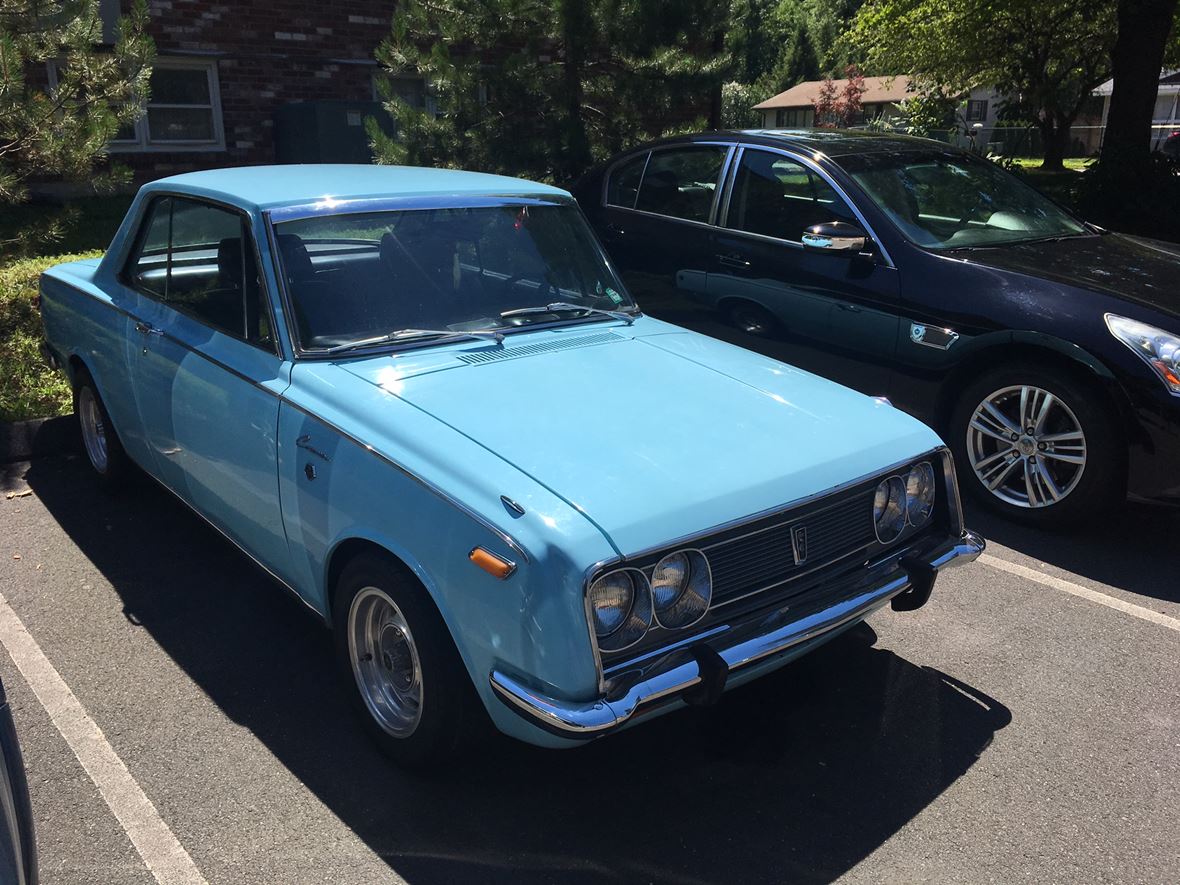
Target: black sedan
[1046,350]
[18,849]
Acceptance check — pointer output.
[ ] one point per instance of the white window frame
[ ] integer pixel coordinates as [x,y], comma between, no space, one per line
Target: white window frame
[142,143]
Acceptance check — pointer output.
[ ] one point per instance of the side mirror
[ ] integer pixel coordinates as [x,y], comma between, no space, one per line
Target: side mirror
[835,236]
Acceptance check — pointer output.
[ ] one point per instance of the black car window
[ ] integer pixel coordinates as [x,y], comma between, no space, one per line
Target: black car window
[200,259]
[780,198]
[681,182]
[623,186]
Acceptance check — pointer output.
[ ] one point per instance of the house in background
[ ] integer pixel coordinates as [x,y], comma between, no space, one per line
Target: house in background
[1166,117]
[795,108]
[248,83]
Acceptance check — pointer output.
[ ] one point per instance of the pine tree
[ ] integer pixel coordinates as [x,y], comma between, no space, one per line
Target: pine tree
[543,90]
[62,130]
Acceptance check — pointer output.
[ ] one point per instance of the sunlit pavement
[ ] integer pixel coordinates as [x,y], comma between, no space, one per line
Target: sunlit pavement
[1012,730]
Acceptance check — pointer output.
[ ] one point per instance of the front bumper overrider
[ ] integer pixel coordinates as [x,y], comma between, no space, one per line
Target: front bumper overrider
[697,672]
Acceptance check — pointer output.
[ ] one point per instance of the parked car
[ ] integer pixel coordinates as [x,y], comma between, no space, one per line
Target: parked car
[1045,349]
[18,843]
[1171,146]
[423,401]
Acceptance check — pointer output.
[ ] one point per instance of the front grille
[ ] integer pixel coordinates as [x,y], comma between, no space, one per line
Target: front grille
[753,564]
[762,557]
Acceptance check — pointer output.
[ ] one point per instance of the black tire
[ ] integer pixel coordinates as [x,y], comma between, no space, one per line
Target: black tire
[1098,486]
[100,441]
[753,319]
[450,716]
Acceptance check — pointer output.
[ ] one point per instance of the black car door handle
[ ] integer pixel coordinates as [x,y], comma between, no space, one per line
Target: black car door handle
[731,260]
[851,308]
[614,230]
[148,330]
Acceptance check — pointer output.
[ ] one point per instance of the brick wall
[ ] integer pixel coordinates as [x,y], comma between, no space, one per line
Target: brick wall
[267,53]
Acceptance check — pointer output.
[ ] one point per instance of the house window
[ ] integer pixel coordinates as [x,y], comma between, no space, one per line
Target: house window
[976,110]
[413,91]
[786,118]
[183,113]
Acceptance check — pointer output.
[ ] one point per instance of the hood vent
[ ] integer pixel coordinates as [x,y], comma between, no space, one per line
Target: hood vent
[508,353]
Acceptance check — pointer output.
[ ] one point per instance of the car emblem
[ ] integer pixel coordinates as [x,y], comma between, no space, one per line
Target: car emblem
[799,543]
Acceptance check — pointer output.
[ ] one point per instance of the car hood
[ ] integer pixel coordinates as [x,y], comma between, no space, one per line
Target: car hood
[654,433]
[1145,272]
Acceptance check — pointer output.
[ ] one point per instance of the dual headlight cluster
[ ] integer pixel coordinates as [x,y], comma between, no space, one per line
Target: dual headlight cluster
[625,603]
[1157,348]
[903,500]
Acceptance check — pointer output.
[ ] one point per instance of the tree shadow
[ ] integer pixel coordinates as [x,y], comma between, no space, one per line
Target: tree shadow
[795,777]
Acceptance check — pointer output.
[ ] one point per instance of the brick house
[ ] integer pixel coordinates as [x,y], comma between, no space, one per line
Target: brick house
[253,82]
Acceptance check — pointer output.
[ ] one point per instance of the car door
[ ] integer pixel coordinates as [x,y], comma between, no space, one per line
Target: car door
[841,306]
[206,372]
[656,221]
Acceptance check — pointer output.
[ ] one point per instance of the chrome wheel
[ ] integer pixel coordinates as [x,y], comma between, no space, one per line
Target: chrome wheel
[94,429]
[1026,446]
[385,662]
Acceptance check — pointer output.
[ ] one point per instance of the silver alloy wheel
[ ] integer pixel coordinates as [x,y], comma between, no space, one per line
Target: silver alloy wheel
[94,430]
[385,662]
[1026,446]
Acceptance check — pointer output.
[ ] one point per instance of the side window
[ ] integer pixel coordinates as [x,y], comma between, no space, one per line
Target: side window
[680,182]
[780,198]
[623,186]
[200,259]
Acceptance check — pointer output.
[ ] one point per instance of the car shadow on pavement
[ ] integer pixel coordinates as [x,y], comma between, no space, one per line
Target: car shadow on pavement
[1132,550]
[795,777]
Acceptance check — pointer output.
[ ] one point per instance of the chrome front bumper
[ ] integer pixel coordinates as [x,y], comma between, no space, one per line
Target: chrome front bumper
[698,672]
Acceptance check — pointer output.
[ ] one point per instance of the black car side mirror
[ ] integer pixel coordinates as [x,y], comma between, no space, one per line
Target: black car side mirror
[836,237]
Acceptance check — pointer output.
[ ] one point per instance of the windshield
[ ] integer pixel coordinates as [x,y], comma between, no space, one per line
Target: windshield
[945,200]
[421,274]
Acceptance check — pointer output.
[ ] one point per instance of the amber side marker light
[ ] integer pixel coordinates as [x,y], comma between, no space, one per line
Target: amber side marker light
[491,563]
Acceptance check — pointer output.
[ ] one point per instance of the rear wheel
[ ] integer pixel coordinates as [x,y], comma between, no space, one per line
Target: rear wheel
[405,676]
[753,319]
[1038,445]
[99,440]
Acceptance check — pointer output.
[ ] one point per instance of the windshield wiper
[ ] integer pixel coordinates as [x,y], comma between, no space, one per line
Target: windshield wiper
[565,305]
[415,335]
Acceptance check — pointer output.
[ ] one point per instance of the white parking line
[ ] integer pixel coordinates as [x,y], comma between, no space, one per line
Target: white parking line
[1129,608]
[165,857]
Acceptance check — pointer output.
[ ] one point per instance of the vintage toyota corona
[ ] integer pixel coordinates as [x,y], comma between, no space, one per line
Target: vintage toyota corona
[423,402]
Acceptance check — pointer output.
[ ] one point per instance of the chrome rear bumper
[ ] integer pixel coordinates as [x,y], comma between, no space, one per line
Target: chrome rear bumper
[698,672]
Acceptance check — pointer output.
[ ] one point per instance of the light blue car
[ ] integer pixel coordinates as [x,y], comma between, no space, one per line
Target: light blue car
[423,401]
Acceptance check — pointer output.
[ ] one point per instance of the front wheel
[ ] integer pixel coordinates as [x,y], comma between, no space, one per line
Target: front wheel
[99,440]
[396,656]
[1038,445]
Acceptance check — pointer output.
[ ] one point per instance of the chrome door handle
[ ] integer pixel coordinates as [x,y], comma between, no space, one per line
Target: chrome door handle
[304,442]
[147,329]
[730,260]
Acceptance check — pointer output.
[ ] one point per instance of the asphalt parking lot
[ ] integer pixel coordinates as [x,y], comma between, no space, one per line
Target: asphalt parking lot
[1023,726]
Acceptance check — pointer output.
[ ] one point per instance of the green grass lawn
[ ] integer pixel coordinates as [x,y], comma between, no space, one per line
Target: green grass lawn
[1072,164]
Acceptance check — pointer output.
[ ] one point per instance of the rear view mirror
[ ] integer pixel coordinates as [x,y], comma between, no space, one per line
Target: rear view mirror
[835,236]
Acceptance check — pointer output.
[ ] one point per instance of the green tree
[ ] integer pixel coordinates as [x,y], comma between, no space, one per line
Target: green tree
[63,131]
[1049,53]
[541,89]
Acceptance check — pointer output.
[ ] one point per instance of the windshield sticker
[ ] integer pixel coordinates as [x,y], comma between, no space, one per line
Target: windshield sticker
[614,296]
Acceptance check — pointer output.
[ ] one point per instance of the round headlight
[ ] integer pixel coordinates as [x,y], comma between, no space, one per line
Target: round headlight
[620,607]
[682,587]
[919,493]
[889,509]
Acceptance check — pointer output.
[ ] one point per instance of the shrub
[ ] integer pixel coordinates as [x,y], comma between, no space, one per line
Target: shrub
[28,387]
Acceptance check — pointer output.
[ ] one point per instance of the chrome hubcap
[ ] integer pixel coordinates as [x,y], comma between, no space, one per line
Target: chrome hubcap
[94,431]
[385,662]
[1026,446]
